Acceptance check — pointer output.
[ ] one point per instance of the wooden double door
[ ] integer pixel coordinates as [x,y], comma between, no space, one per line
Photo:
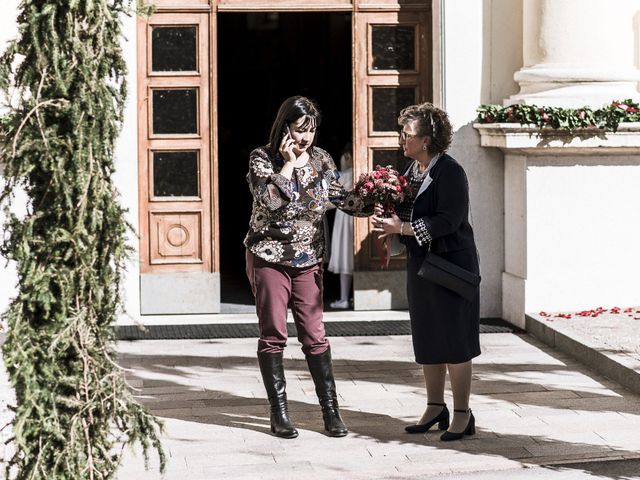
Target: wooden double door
[186,101]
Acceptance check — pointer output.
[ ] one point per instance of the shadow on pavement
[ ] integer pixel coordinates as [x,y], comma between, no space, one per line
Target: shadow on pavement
[524,385]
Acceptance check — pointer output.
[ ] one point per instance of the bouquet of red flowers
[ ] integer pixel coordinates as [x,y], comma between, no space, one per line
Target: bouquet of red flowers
[384,185]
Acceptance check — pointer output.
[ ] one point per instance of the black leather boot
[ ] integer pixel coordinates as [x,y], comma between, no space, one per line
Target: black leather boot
[322,373]
[274,382]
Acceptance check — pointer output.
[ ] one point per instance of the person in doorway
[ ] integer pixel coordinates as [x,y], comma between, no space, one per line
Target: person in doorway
[445,327]
[292,181]
[341,259]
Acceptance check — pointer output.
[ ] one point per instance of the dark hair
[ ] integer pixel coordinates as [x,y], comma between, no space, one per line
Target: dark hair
[431,121]
[291,110]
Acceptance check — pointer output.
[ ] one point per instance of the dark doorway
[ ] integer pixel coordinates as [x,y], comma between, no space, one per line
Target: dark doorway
[264,58]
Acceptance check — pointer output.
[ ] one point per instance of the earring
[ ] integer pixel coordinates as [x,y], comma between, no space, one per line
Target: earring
[424,147]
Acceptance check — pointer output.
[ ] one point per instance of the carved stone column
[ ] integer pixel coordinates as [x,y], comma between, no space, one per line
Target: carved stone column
[578,52]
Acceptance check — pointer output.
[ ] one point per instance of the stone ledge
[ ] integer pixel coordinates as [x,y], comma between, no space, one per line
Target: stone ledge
[615,365]
[178,293]
[530,140]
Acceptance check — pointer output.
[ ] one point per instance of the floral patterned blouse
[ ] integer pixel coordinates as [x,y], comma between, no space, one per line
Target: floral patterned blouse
[286,221]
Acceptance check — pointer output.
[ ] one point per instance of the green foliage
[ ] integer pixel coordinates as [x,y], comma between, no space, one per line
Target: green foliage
[606,118]
[65,75]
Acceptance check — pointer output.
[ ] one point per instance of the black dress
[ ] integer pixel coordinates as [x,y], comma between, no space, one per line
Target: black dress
[445,327]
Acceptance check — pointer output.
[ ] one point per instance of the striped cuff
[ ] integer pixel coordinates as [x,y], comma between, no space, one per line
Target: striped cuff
[423,237]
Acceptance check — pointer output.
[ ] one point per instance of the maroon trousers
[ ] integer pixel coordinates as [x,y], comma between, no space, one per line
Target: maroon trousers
[276,287]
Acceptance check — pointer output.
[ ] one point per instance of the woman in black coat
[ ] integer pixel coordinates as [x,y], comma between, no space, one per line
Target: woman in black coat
[444,325]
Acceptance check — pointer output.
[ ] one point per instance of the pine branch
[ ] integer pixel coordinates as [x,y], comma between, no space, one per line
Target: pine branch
[74,413]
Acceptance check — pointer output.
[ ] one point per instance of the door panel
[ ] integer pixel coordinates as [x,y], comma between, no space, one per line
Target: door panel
[392,68]
[174,143]
[176,188]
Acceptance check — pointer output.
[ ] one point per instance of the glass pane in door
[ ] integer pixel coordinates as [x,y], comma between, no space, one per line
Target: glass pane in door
[173,49]
[175,111]
[175,174]
[386,103]
[395,158]
[393,47]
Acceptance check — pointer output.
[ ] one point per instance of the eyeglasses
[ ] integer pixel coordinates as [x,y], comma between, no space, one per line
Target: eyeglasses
[404,135]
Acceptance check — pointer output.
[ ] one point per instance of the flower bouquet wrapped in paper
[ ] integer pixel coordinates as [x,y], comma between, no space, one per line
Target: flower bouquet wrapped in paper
[384,185]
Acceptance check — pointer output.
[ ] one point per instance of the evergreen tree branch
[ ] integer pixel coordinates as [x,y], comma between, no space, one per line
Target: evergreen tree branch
[65,76]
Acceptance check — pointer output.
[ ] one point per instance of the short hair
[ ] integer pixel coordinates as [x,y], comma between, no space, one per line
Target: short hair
[291,110]
[431,121]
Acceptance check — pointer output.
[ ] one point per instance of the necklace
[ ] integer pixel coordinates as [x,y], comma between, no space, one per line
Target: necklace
[416,173]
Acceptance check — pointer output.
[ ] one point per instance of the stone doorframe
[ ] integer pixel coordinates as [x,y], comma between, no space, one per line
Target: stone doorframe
[179,228]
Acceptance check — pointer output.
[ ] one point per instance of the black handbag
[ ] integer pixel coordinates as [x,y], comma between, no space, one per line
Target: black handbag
[449,275]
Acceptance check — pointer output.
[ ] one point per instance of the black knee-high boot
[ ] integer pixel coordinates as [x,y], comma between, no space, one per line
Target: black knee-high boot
[322,373]
[273,377]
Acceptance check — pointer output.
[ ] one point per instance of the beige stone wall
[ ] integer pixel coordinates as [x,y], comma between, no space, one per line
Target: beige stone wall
[482,50]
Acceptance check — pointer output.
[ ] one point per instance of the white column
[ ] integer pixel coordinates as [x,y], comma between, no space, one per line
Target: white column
[515,239]
[579,52]
[8,31]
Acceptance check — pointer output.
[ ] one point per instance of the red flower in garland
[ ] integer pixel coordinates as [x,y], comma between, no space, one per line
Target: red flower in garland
[627,106]
[545,116]
[510,116]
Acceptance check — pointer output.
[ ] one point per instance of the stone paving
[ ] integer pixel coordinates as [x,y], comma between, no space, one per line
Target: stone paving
[535,407]
[616,329]
[607,342]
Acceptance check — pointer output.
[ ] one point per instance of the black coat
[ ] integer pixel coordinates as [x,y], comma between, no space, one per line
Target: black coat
[444,207]
[445,327]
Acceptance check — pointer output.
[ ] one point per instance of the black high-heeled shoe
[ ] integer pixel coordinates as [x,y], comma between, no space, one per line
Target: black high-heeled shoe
[470,429]
[442,419]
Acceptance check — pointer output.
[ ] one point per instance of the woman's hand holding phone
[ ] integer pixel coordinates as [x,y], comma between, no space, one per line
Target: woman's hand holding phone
[291,161]
[286,150]
[286,146]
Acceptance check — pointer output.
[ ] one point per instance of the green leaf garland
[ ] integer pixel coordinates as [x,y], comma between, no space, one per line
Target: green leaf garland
[607,118]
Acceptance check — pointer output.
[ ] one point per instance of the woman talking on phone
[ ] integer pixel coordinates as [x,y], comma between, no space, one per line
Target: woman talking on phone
[292,180]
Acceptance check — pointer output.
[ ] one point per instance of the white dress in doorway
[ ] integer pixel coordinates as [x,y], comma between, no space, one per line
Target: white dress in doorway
[341,260]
